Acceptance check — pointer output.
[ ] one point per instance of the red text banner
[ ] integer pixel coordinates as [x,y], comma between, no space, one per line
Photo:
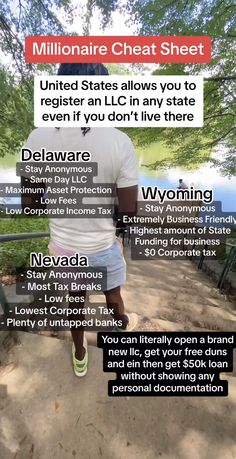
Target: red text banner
[108,49]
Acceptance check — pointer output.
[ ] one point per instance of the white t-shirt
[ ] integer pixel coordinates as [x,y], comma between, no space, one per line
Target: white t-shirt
[114,153]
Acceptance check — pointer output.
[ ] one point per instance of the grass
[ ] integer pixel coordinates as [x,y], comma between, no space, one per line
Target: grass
[15,255]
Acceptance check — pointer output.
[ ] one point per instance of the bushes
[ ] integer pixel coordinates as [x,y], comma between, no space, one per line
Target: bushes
[14,255]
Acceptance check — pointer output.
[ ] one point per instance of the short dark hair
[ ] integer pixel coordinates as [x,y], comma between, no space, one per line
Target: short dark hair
[82,69]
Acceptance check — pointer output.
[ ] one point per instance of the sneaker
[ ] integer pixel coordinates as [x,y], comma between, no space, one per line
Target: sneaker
[132,324]
[80,366]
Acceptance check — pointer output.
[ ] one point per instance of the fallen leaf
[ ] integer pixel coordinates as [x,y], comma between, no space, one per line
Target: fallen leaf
[57,406]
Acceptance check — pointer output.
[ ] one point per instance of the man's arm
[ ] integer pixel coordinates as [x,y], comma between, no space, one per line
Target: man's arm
[127,200]
[32,199]
[127,180]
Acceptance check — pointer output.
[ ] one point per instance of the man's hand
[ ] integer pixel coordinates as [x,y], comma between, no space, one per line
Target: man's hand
[32,200]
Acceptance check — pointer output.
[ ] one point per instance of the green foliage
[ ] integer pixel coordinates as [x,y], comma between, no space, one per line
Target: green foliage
[152,17]
[15,255]
[218,132]
[23,225]
[216,18]
[17,20]
[106,8]
[29,17]
[117,69]
[193,17]
[16,112]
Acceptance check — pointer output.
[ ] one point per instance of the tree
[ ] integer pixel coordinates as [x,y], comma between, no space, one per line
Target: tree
[106,8]
[24,18]
[216,18]
[16,112]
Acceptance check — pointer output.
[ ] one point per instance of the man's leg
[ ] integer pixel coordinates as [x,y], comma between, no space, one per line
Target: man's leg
[78,333]
[114,301]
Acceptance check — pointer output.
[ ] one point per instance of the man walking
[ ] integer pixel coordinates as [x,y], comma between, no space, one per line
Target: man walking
[114,154]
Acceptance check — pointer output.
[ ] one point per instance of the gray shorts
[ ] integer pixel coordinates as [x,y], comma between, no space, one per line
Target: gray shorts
[111,260]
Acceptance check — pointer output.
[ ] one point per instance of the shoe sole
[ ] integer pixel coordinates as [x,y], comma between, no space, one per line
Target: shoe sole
[125,330]
[81,373]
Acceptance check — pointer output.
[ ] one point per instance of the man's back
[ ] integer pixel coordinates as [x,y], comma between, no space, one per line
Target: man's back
[114,154]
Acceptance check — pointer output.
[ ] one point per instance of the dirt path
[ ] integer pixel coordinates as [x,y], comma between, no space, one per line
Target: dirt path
[45,411]
[175,295]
